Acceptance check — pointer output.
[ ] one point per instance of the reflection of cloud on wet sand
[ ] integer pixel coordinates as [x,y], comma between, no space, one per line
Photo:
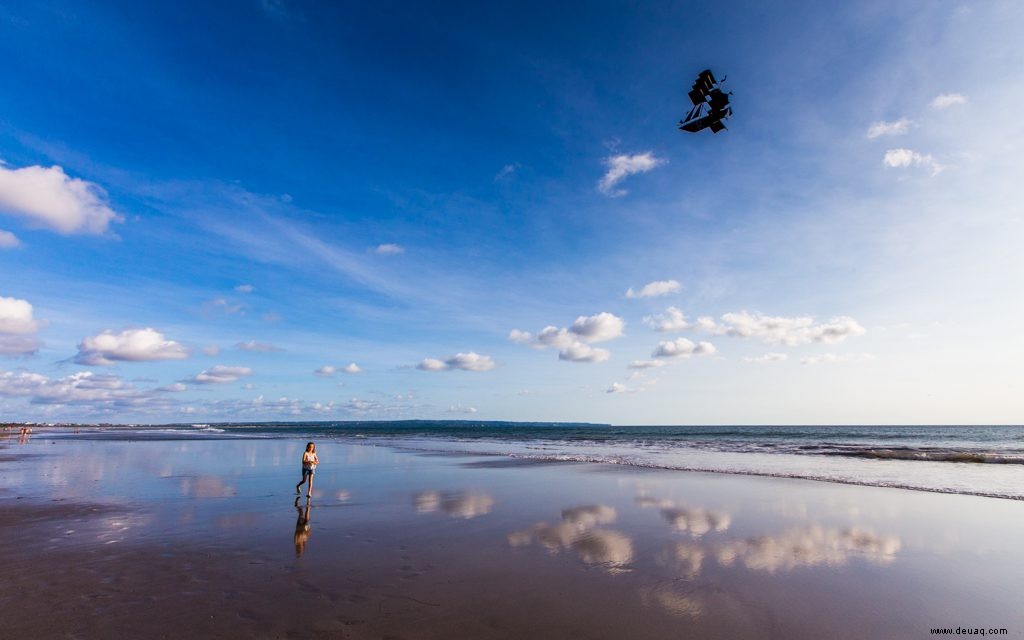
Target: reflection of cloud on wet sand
[677,604]
[457,504]
[206,487]
[689,556]
[807,547]
[577,531]
[694,520]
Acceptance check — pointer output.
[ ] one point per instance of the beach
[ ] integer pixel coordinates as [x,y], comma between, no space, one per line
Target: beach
[149,535]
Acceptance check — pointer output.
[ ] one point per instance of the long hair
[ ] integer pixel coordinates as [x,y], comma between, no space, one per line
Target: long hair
[310,447]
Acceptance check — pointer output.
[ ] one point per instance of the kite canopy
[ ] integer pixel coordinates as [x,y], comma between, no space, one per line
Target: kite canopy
[710,105]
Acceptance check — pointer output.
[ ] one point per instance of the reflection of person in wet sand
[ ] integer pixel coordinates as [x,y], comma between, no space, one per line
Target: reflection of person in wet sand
[302,527]
[309,462]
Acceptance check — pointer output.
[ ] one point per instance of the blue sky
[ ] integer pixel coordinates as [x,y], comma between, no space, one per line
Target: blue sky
[208,211]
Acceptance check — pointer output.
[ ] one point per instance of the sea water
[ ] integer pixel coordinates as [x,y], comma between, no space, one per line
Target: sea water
[974,460]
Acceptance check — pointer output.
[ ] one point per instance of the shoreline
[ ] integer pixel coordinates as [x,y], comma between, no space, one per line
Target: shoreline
[826,464]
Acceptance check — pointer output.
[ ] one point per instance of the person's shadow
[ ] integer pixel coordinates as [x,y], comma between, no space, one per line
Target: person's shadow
[302,528]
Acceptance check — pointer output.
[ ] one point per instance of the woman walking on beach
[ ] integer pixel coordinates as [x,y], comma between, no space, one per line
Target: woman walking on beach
[309,462]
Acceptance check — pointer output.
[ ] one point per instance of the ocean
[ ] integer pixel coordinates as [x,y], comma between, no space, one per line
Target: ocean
[972,460]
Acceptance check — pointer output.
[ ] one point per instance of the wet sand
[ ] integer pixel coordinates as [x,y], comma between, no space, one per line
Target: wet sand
[205,538]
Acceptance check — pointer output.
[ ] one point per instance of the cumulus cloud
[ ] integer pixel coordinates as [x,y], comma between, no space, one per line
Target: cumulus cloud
[82,388]
[672,320]
[463,361]
[902,158]
[245,288]
[389,249]
[622,166]
[683,348]
[895,128]
[598,328]
[325,371]
[211,350]
[352,368]
[258,347]
[656,288]
[8,240]
[947,100]
[573,343]
[767,358]
[19,345]
[582,352]
[790,331]
[49,198]
[221,375]
[130,345]
[16,317]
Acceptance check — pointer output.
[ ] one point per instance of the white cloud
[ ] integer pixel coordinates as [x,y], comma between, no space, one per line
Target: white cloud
[463,361]
[131,345]
[902,158]
[833,358]
[618,387]
[767,358]
[948,100]
[656,288]
[683,348]
[16,317]
[782,330]
[82,388]
[883,128]
[325,371]
[672,320]
[245,288]
[622,166]
[211,350]
[458,408]
[221,375]
[8,240]
[598,328]
[352,368]
[389,249]
[19,345]
[646,364]
[47,197]
[574,343]
[581,352]
[431,364]
[258,347]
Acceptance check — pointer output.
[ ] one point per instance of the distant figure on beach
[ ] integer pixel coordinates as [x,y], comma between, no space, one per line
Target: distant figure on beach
[302,527]
[309,462]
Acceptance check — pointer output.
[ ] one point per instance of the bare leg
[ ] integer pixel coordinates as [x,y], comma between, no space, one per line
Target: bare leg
[309,489]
